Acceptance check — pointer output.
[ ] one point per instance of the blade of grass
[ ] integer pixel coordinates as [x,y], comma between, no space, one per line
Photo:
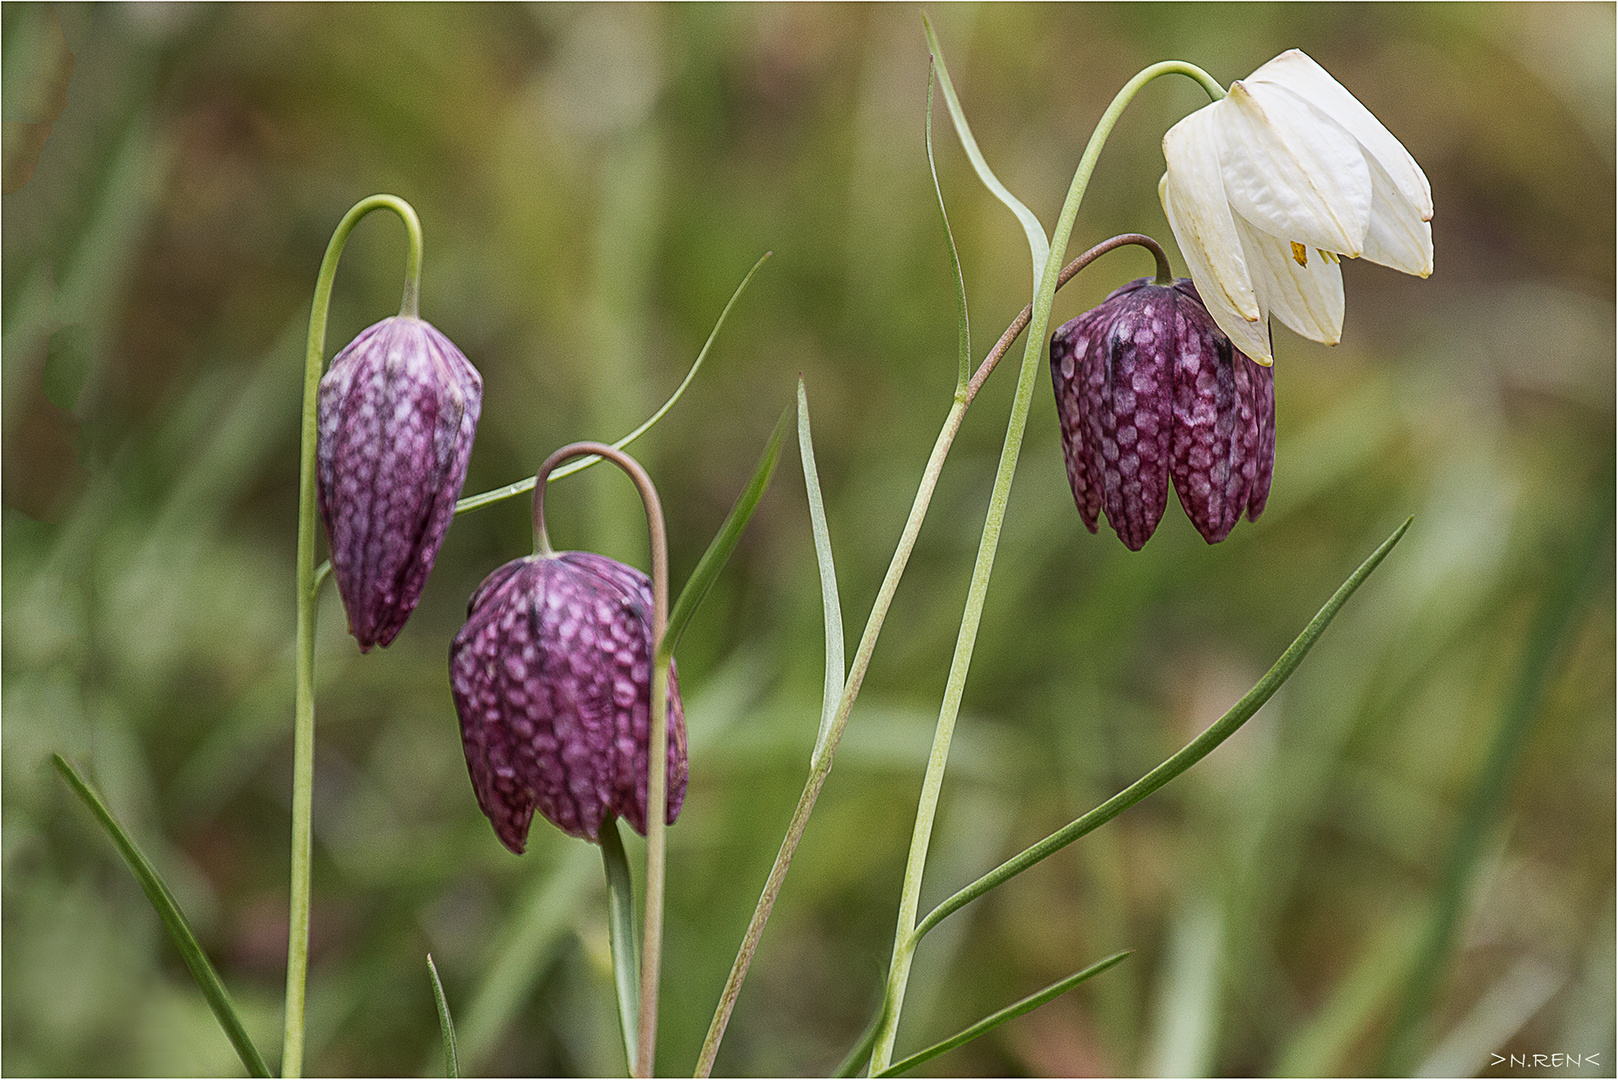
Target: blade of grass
[831,606]
[1038,245]
[1563,601]
[173,920]
[1010,1012]
[1189,755]
[1322,1044]
[473,502]
[446,1026]
[1185,1023]
[963,324]
[724,542]
[1499,1015]
[621,933]
[523,949]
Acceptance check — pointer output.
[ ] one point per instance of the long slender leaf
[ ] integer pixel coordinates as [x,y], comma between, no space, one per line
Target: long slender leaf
[1321,1044]
[173,920]
[1010,1012]
[831,606]
[713,560]
[1188,755]
[963,323]
[621,933]
[446,1026]
[1495,1020]
[523,948]
[473,502]
[1038,245]
[1563,601]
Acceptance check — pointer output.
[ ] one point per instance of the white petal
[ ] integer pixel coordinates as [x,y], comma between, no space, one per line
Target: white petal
[1296,72]
[1200,213]
[1250,335]
[1399,236]
[1307,297]
[1291,171]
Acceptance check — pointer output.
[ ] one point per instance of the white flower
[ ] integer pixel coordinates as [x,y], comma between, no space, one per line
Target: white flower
[1268,186]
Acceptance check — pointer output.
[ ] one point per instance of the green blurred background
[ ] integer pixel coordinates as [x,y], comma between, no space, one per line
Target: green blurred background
[593,182]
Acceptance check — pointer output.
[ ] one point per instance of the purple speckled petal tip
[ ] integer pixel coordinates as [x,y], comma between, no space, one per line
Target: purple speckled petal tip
[552,680]
[1148,388]
[398,410]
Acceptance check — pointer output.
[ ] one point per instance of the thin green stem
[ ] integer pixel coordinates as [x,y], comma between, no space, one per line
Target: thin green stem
[303,739]
[904,939]
[658,752]
[820,767]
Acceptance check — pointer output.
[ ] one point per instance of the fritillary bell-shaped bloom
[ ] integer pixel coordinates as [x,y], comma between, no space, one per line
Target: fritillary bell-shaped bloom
[1148,390]
[1267,187]
[552,678]
[397,413]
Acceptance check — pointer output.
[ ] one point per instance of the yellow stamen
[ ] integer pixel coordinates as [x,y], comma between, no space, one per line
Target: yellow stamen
[1300,254]
[1329,256]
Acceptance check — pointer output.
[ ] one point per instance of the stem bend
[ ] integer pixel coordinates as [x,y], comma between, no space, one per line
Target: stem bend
[303,737]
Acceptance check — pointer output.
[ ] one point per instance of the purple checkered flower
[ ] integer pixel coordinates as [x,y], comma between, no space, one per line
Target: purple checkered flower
[552,678]
[1149,388]
[398,409]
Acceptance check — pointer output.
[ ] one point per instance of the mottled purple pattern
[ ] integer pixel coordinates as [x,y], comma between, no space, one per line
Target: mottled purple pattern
[1264,406]
[1108,363]
[1069,354]
[552,679]
[398,409]
[1224,429]
[1148,387]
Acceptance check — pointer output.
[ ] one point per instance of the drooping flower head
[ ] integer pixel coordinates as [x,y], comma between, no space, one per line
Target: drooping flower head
[397,413]
[1148,388]
[1267,187]
[552,678]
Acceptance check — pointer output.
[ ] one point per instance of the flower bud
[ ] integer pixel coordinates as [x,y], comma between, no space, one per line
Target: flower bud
[1148,388]
[552,678]
[397,412]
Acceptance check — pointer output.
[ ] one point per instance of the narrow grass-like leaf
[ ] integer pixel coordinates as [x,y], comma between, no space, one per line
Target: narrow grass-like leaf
[446,1026]
[523,948]
[1189,755]
[621,933]
[963,324]
[831,607]
[473,502]
[1321,1045]
[1497,1018]
[1564,600]
[173,920]
[1010,1012]
[1038,245]
[713,560]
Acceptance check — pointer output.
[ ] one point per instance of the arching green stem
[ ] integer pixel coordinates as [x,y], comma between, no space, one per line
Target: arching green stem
[303,737]
[657,777]
[927,805]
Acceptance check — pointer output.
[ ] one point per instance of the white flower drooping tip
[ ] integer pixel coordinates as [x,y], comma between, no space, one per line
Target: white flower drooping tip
[1267,187]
